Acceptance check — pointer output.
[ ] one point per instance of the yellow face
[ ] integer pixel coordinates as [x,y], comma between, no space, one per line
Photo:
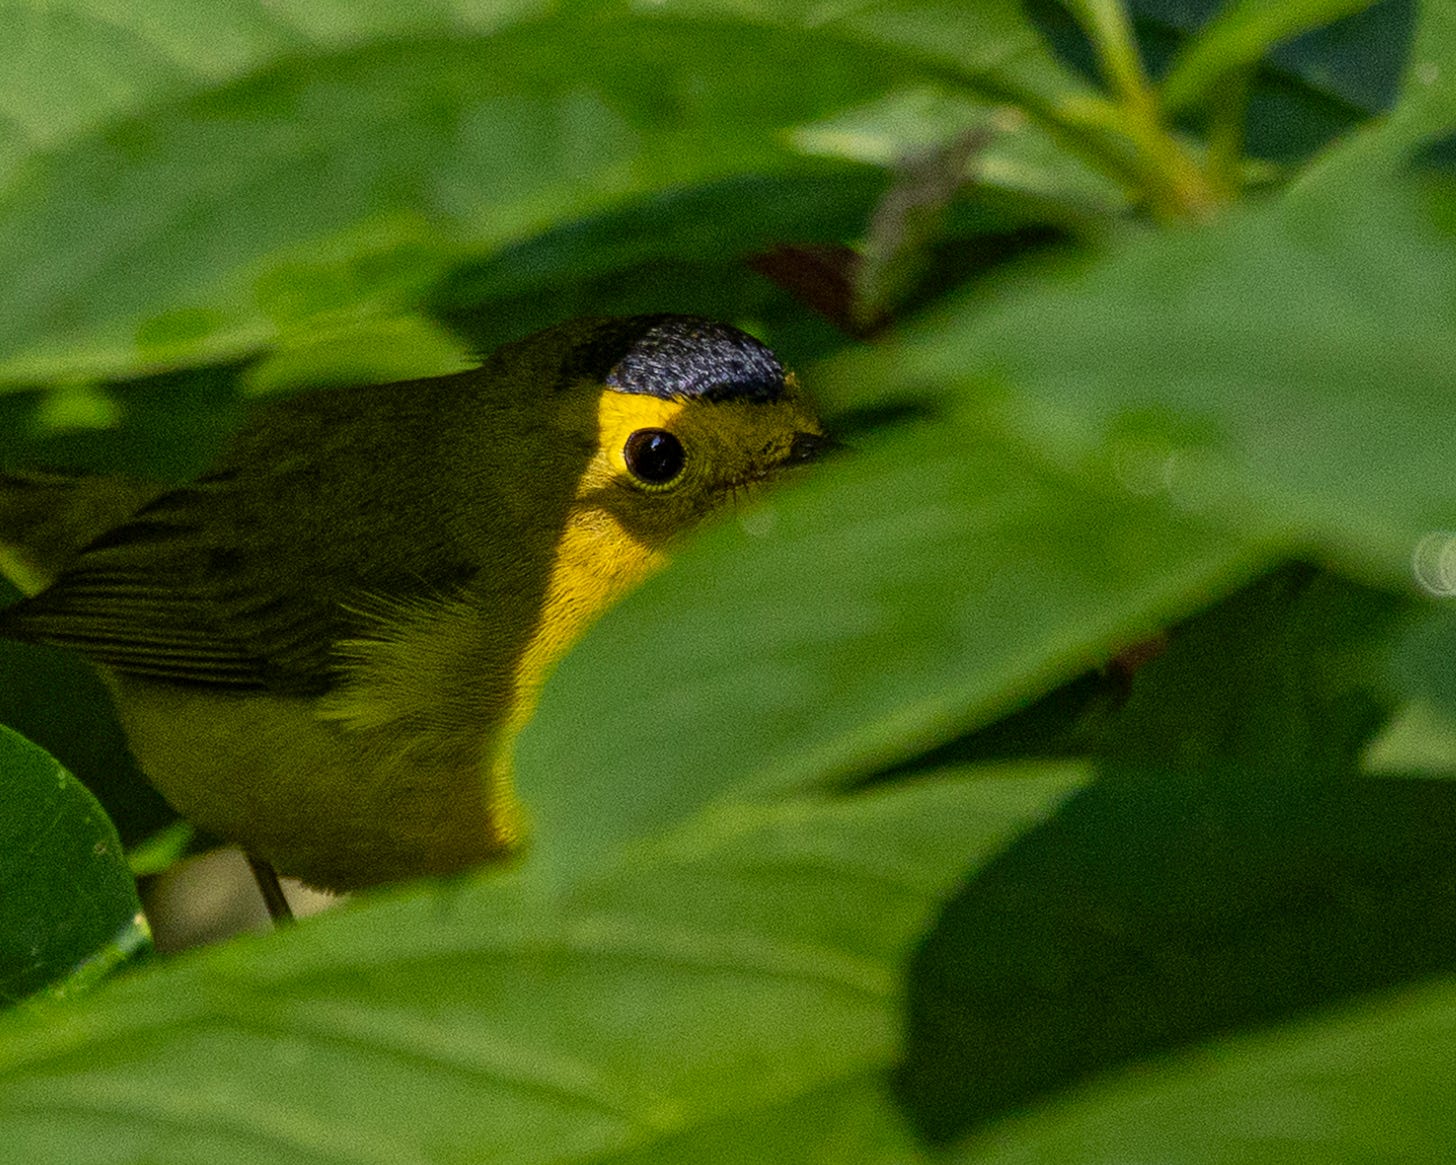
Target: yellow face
[662,465]
[656,468]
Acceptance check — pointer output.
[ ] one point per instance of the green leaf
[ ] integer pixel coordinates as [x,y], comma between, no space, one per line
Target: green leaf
[851,1120]
[750,958]
[1239,37]
[1365,1084]
[991,43]
[898,598]
[1428,99]
[1419,740]
[354,179]
[1161,908]
[1282,371]
[76,67]
[309,170]
[1230,867]
[69,911]
[359,351]
[162,850]
[1287,677]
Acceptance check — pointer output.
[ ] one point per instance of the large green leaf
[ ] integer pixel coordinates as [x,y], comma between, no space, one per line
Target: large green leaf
[325,168]
[898,598]
[77,65]
[1283,370]
[751,957]
[73,66]
[68,906]
[341,184]
[1366,1084]
[1229,868]
[1163,908]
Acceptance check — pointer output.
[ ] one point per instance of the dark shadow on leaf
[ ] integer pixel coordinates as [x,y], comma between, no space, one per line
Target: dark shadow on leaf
[1161,909]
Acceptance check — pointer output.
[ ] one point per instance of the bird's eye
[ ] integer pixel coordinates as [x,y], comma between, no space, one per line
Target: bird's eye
[654,456]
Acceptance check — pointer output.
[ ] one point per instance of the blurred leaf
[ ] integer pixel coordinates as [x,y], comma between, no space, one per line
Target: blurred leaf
[353,179]
[161,850]
[352,168]
[1322,424]
[724,970]
[1431,56]
[72,68]
[78,406]
[1226,869]
[896,599]
[69,911]
[1419,740]
[359,351]
[1422,663]
[1288,676]
[1159,909]
[1364,1084]
[1240,36]
[991,43]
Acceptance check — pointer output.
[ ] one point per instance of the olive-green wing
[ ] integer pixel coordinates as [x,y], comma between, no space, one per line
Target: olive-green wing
[248,577]
[323,505]
[166,595]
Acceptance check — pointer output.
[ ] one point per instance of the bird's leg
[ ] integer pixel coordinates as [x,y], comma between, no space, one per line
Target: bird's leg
[267,878]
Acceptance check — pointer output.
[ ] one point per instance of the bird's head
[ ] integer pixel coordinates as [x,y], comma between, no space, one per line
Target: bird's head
[685,415]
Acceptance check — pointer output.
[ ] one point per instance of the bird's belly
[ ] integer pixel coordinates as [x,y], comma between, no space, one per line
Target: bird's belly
[339,808]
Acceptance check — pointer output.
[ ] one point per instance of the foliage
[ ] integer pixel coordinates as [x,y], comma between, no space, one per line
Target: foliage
[1062,775]
[70,912]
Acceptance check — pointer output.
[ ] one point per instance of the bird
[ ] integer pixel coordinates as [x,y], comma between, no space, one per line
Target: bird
[324,646]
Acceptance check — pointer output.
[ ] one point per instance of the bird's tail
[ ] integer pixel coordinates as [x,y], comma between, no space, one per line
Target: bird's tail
[47,518]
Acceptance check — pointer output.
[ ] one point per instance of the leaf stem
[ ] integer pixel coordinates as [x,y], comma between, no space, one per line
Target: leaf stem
[1175,185]
[1226,133]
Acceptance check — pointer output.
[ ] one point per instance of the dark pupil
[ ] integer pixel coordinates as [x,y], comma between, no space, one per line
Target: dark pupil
[653,455]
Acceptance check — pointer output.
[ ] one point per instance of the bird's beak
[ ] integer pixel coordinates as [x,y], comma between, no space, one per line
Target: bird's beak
[810,447]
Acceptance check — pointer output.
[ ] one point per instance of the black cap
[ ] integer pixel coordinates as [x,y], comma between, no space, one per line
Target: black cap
[679,357]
